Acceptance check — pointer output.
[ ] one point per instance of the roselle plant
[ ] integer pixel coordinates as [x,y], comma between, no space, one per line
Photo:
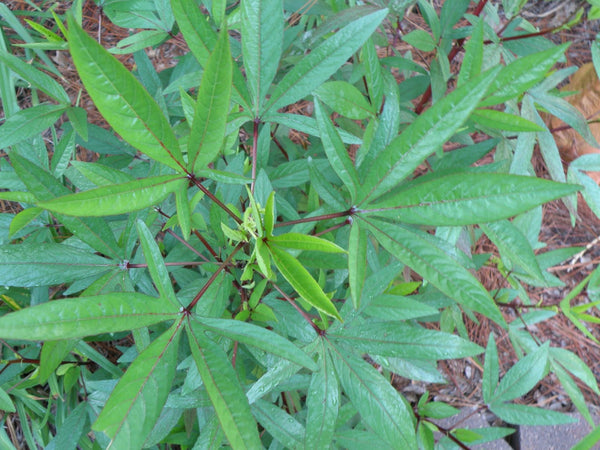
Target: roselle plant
[255,286]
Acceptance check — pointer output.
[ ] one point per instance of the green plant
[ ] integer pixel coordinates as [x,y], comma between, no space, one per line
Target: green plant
[252,277]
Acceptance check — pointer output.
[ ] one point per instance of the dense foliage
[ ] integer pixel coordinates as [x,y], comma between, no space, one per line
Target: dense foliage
[263,289]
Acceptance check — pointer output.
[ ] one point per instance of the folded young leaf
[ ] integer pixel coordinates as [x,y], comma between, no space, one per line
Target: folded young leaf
[134,405]
[33,264]
[302,281]
[118,198]
[86,316]
[224,390]
[468,198]
[122,100]
[305,242]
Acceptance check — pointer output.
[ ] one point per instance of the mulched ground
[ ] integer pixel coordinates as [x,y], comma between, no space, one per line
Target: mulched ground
[464,376]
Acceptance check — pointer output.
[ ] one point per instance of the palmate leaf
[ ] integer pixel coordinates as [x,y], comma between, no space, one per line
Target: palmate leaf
[262,38]
[468,198]
[423,137]
[86,316]
[323,61]
[134,406]
[31,264]
[224,390]
[122,100]
[379,404]
[117,198]
[210,115]
[418,252]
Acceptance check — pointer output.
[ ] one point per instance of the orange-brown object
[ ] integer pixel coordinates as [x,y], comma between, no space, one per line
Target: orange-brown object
[587,99]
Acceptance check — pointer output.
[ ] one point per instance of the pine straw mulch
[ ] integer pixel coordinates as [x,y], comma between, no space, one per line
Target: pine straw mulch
[464,375]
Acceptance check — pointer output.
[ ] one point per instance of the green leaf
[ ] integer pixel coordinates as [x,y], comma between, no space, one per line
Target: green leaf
[269,216]
[156,265]
[523,376]
[316,67]
[78,118]
[33,264]
[438,410]
[184,213]
[436,266]
[514,245]
[52,355]
[468,198]
[491,370]
[373,75]
[307,125]
[344,99]
[574,365]
[357,261]
[262,38]
[256,336]
[423,137]
[6,404]
[224,390]
[394,307]
[379,404]
[122,100]
[322,404]
[522,74]
[100,174]
[420,39]
[305,242]
[35,78]
[116,199]
[210,117]
[528,415]
[336,152]
[282,426]
[28,122]
[400,340]
[473,59]
[302,282]
[135,404]
[498,120]
[85,316]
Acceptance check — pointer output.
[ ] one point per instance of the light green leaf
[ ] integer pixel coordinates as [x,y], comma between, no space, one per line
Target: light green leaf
[101,174]
[468,198]
[210,117]
[323,61]
[400,340]
[32,264]
[52,355]
[522,74]
[269,216]
[380,405]
[498,120]
[394,307]
[423,137]
[256,336]
[322,404]
[156,265]
[450,277]
[28,122]
[344,99]
[420,39]
[357,261]
[35,78]
[528,415]
[135,403]
[16,196]
[262,38]
[116,199]
[122,100]
[491,370]
[85,316]
[224,390]
[336,152]
[514,245]
[302,282]
[523,376]
[305,242]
